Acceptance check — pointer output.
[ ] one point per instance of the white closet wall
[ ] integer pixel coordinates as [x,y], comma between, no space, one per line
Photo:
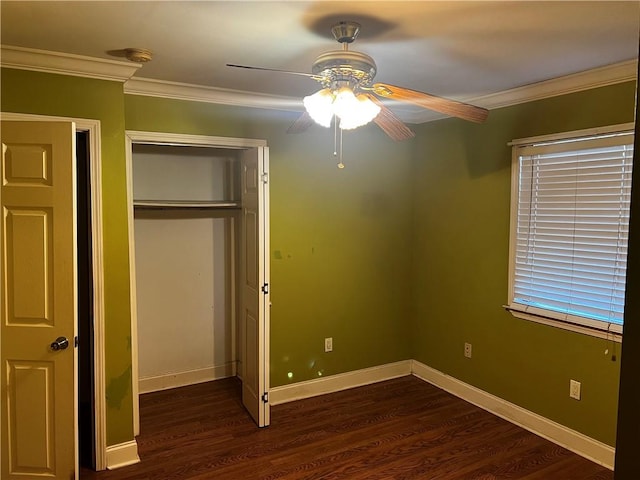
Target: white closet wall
[180,173]
[184,266]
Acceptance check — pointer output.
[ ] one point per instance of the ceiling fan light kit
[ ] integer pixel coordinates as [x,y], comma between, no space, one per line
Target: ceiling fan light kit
[352,110]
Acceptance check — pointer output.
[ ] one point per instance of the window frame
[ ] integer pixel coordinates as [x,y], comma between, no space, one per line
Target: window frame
[597,328]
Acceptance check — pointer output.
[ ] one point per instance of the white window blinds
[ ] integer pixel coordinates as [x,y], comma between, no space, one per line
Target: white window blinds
[569,248]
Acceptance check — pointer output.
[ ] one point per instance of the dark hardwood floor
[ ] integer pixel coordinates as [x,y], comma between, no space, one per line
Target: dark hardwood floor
[400,429]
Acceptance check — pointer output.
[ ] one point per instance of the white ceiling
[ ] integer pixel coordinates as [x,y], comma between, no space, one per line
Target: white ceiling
[455,49]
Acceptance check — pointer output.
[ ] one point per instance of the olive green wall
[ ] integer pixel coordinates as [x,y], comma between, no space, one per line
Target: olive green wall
[340,239]
[461,184]
[403,254]
[58,95]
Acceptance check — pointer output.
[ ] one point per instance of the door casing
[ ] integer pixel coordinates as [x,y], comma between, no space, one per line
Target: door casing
[93,128]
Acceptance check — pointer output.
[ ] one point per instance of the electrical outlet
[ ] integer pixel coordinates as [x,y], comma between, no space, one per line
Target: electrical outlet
[467,350]
[574,389]
[328,344]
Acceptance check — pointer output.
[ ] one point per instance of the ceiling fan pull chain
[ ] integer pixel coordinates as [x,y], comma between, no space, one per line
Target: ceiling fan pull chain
[335,137]
[340,164]
[337,152]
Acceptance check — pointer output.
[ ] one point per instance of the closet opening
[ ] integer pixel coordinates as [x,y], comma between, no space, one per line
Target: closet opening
[198,241]
[185,231]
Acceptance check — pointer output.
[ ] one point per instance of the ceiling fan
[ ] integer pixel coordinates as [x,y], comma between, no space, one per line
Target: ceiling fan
[349,93]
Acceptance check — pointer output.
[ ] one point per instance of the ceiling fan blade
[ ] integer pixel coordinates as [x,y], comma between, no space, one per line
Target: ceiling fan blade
[302,123]
[432,102]
[248,67]
[389,123]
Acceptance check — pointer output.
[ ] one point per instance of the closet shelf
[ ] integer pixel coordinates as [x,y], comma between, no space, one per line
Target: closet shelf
[202,204]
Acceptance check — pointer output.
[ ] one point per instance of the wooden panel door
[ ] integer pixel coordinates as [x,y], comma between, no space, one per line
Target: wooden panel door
[38,296]
[254,278]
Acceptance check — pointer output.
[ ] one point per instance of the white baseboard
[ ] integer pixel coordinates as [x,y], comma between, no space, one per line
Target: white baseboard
[191,377]
[577,442]
[601,453]
[122,455]
[341,381]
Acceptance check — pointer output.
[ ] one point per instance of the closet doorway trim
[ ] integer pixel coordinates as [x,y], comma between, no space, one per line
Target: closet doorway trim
[164,139]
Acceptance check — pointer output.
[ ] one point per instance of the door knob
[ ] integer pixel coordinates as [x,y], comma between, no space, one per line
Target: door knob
[60,343]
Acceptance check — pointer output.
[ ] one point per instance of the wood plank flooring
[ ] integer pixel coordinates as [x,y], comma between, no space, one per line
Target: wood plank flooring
[401,429]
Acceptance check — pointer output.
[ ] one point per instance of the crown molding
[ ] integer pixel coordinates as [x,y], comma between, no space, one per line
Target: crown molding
[197,93]
[66,64]
[576,82]
[77,65]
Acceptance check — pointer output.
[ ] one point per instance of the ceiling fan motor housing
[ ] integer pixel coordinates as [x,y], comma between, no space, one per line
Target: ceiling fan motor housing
[340,66]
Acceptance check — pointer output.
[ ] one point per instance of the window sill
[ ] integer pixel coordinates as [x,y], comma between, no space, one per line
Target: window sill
[614,334]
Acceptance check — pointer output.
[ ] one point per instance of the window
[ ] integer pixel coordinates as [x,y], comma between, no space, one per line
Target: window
[569,228]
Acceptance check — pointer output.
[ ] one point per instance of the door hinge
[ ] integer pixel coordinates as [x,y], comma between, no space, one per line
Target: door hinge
[265,397]
[265,178]
[265,288]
